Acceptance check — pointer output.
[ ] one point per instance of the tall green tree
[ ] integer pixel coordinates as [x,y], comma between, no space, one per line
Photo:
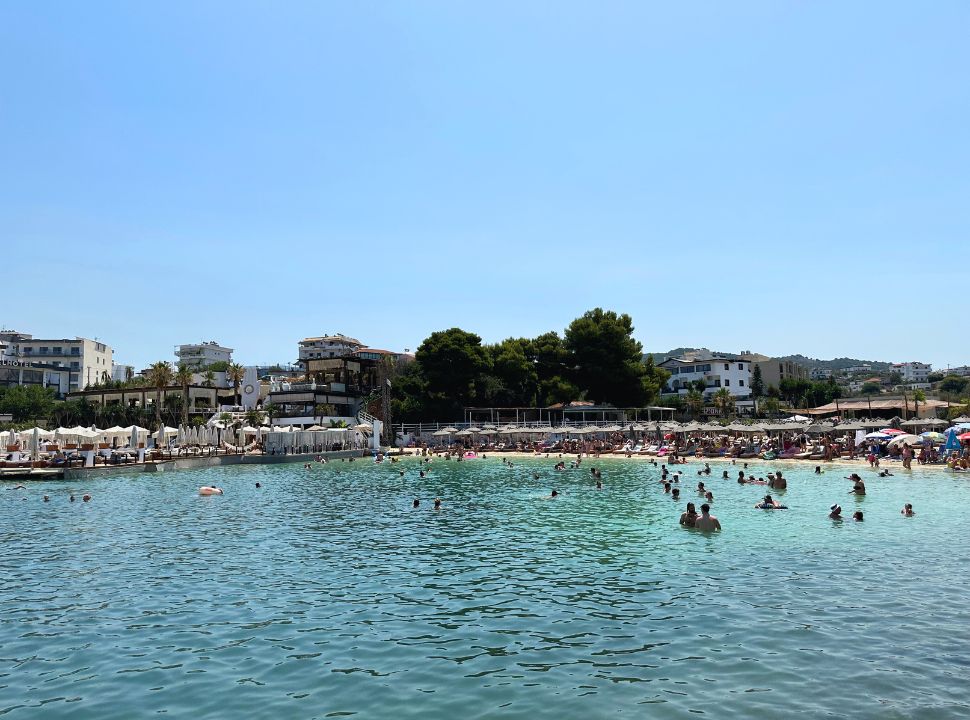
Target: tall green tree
[607,362]
[160,377]
[553,371]
[757,382]
[235,374]
[453,364]
[694,402]
[724,401]
[183,376]
[514,369]
[28,403]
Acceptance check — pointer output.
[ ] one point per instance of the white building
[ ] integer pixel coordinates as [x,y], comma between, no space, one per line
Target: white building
[88,361]
[820,373]
[716,372]
[328,346]
[120,373]
[199,355]
[914,372]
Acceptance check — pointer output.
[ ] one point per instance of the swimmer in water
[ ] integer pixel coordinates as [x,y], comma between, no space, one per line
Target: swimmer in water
[599,485]
[724,475]
[210,490]
[706,521]
[47,498]
[554,494]
[857,516]
[836,513]
[416,503]
[689,516]
[675,493]
[700,488]
[437,503]
[667,487]
[86,498]
[768,503]
[422,473]
[907,510]
[818,469]
[709,496]
[72,497]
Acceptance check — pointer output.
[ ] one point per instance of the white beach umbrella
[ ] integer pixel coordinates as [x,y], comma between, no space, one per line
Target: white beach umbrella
[133,438]
[901,440]
[35,443]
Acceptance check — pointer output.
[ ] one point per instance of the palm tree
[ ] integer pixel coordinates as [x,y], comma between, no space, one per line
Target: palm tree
[321,409]
[918,397]
[235,374]
[160,377]
[254,417]
[270,409]
[724,401]
[183,376]
[695,402]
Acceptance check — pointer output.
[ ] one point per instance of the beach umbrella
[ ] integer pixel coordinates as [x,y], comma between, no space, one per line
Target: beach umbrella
[964,437]
[892,431]
[817,429]
[962,426]
[133,439]
[450,429]
[952,441]
[904,439]
[35,443]
[878,436]
[933,436]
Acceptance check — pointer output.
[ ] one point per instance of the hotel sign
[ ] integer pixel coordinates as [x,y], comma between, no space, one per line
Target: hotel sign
[15,363]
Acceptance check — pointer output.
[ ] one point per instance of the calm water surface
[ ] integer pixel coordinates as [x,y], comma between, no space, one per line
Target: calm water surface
[323,594]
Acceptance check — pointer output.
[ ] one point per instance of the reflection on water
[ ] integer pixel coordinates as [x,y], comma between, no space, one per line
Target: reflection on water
[325,594]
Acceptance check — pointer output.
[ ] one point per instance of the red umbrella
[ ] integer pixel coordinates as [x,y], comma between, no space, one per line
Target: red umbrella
[964,437]
[670,436]
[893,431]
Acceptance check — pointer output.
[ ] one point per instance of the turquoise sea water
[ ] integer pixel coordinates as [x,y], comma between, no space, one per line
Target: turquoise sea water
[323,594]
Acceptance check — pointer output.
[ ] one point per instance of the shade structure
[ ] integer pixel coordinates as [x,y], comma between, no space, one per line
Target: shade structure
[924,422]
[474,429]
[450,429]
[952,440]
[817,429]
[440,433]
[964,437]
[933,436]
[892,431]
[878,436]
[905,439]
[364,427]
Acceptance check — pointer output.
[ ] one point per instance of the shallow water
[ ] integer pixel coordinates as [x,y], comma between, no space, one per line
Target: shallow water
[324,594]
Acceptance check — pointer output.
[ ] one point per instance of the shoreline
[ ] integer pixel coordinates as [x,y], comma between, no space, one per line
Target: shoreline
[695,462]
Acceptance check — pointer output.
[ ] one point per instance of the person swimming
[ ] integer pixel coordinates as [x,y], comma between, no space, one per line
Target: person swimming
[907,510]
[709,496]
[857,516]
[836,513]
[437,503]
[675,493]
[599,484]
[85,498]
[818,469]
[210,490]
[416,503]
[666,487]
[554,494]
[700,488]
[769,503]
[47,498]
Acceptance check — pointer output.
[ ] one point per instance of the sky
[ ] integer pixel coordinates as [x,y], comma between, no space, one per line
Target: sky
[781,177]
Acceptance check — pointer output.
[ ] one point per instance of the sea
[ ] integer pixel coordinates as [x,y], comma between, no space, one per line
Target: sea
[324,593]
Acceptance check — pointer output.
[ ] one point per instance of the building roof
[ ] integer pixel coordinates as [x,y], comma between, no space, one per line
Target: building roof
[333,338]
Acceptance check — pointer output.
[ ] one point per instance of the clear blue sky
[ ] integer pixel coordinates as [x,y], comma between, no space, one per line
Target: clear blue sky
[779,177]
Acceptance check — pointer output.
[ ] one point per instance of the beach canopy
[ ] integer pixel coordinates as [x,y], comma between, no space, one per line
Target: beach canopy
[904,439]
[964,437]
[933,436]
[878,436]
[952,441]
[892,431]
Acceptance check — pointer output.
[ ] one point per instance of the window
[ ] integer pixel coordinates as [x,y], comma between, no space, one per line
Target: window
[781,368]
[58,350]
[741,383]
[727,366]
[44,349]
[727,383]
[75,351]
[740,366]
[75,365]
[28,350]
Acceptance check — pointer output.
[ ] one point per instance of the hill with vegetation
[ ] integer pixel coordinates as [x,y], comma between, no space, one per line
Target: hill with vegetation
[834,365]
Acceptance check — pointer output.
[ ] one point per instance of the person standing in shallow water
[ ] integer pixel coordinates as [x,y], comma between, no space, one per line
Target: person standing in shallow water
[689,516]
[706,521]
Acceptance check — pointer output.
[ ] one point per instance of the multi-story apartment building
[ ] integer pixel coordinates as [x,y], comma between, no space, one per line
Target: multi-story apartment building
[328,346]
[87,361]
[714,370]
[200,355]
[914,372]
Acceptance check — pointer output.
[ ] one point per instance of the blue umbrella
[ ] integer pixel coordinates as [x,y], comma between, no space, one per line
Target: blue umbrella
[951,441]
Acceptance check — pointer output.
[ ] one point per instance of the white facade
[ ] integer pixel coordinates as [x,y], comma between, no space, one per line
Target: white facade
[820,373]
[120,373]
[328,346]
[914,372]
[199,355]
[89,361]
[715,372]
